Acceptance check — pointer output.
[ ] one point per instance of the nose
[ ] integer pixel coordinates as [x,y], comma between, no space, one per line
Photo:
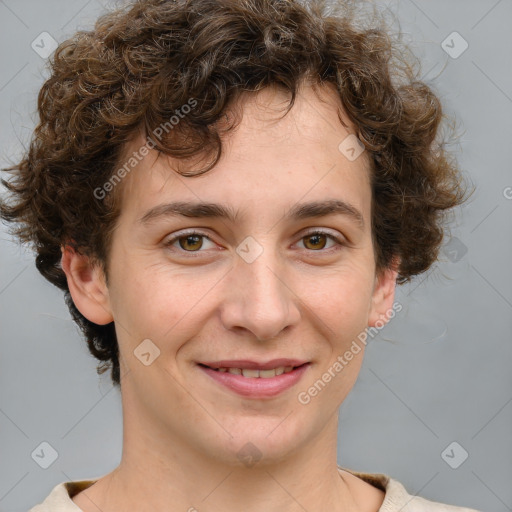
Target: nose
[259,298]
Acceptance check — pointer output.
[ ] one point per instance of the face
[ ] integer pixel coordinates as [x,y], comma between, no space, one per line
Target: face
[270,288]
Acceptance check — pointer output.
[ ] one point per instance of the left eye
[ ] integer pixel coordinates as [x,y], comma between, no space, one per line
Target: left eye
[319,235]
[192,242]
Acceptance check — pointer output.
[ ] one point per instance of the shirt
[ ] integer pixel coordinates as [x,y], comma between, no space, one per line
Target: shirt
[396,499]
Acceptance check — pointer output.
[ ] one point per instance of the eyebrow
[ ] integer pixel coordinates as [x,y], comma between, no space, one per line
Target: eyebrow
[212,210]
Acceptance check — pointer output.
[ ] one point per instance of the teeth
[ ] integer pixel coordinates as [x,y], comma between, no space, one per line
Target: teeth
[253,374]
[250,373]
[265,374]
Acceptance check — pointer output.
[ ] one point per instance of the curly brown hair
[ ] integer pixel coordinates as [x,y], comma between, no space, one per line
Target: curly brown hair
[143,62]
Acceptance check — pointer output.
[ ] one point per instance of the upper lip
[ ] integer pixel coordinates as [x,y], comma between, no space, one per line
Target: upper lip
[254,365]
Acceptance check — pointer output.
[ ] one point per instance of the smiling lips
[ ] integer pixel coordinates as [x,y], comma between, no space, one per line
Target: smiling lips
[256,380]
[254,365]
[252,369]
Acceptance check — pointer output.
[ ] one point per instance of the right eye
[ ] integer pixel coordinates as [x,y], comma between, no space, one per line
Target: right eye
[190,241]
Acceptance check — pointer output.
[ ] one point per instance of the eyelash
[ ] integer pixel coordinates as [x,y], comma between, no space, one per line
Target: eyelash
[339,242]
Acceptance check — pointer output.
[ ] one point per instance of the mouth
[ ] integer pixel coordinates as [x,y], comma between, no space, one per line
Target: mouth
[254,373]
[256,380]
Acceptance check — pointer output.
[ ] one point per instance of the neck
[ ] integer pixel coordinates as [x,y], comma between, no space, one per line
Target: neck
[158,473]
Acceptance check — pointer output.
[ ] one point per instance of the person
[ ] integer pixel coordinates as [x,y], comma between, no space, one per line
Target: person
[228,193]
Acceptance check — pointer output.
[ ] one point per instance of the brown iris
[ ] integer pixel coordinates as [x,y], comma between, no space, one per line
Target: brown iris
[315,237]
[197,242]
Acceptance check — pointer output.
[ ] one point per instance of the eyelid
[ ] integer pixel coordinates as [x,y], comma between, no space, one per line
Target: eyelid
[325,231]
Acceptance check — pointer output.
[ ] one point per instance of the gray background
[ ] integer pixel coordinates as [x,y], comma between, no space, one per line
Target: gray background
[438,373]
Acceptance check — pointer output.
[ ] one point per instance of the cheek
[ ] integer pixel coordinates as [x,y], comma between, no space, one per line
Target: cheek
[163,304]
[144,301]
[343,307]
[345,296]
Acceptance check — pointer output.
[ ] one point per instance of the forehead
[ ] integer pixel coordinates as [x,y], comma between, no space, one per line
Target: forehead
[268,162]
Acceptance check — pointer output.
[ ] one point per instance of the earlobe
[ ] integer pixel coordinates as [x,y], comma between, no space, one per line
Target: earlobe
[86,283]
[383,295]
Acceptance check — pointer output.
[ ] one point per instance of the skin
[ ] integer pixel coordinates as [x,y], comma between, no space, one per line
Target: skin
[298,299]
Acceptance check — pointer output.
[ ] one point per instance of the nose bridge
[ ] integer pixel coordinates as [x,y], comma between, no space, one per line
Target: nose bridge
[260,300]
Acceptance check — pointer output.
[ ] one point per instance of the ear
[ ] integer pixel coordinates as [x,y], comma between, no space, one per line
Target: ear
[87,286]
[383,294]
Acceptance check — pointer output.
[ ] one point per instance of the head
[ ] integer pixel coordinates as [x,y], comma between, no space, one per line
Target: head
[253,109]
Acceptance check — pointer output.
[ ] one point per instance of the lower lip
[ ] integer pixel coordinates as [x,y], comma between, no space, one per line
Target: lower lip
[257,387]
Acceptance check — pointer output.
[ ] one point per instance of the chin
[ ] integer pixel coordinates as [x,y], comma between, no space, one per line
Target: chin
[259,442]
